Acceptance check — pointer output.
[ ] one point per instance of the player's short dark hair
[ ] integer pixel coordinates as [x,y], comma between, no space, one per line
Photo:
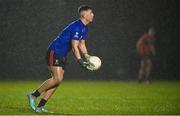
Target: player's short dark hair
[83,8]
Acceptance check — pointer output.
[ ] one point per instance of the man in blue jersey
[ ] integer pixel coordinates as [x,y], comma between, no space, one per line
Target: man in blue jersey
[71,38]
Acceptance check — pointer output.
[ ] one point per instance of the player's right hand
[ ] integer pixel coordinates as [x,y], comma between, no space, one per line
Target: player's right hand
[82,62]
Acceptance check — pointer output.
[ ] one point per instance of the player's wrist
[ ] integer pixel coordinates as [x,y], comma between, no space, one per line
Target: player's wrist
[81,62]
[86,56]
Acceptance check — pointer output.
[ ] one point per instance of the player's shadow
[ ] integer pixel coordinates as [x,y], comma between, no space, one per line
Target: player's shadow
[18,110]
[26,110]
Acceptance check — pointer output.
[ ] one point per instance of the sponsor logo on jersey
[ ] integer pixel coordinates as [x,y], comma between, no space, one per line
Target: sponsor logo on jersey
[76,35]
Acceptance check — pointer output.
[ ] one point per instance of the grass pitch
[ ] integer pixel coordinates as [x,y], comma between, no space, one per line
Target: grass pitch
[95,98]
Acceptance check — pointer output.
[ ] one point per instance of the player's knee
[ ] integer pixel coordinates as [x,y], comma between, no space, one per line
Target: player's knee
[58,80]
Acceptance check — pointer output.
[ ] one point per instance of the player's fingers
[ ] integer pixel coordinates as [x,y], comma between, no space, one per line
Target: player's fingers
[90,68]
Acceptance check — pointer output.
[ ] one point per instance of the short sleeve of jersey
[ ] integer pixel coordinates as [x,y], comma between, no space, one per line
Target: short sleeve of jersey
[75,34]
[78,31]
[85,34]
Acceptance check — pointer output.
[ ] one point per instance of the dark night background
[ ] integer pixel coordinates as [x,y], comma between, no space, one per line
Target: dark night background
[28,26]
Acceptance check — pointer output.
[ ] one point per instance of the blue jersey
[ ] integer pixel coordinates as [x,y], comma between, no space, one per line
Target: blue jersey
[76,30]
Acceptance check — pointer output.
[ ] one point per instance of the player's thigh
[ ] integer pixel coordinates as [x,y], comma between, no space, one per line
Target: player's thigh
[54,59]
[142,64]
[56,64]
[57,72]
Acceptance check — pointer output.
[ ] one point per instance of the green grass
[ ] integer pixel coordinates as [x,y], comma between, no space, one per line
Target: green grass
[96,98]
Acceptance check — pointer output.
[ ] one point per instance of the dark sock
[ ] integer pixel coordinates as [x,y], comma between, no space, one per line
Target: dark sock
[42,103]
[36,93]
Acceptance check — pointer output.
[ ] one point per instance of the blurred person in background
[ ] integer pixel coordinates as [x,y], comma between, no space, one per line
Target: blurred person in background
[146,49]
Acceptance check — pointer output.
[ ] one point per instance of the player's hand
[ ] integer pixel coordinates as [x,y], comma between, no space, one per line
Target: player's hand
[82,63]
[85,65]
[90,67]
[87,56]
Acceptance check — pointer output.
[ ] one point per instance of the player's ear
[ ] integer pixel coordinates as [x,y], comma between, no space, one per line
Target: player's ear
[83,14]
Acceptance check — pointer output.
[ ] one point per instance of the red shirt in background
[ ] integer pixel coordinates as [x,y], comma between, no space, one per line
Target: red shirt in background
[144,44]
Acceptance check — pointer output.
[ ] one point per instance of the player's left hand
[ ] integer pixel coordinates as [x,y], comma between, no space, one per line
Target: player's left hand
[87,56]
[86,65]
[82,63]
[89,67]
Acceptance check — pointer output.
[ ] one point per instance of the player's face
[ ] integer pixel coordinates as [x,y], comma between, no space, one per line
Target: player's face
[89,15]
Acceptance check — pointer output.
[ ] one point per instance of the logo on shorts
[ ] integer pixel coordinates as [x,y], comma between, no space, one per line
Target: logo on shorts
[56,62]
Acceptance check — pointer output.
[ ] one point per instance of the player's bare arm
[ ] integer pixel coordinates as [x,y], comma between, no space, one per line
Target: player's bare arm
[83,49]
[75,49]
[76,52]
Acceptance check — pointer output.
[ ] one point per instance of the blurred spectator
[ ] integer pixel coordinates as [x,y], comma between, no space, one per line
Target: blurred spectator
[145,48]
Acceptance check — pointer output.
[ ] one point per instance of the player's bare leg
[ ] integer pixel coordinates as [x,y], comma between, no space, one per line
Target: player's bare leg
[49,87]
[141,71]
[54,81]
[58,72]
[148,70]
[50,92]
[47,94]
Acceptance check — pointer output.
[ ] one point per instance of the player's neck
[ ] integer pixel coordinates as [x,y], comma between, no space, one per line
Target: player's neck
[84,21]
